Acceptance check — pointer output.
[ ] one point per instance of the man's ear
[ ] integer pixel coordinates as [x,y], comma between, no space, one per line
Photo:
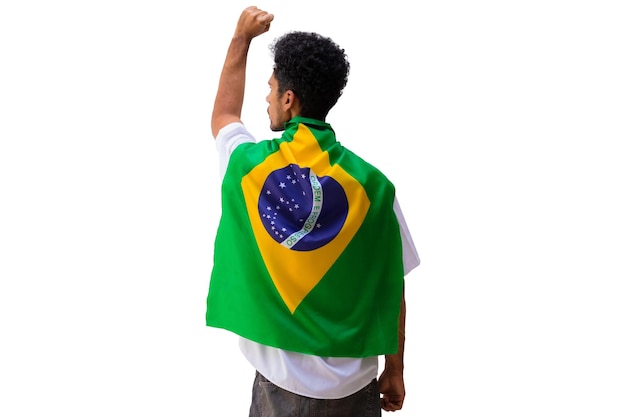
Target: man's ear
[288,99]
[291,104]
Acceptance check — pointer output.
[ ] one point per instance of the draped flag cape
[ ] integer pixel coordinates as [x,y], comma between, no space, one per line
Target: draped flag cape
[308,253]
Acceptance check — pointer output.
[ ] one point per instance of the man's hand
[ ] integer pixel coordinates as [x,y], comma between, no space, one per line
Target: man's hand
[253,22]
[391,386]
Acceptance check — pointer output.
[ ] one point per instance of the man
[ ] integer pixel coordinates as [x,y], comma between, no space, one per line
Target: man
[312,249]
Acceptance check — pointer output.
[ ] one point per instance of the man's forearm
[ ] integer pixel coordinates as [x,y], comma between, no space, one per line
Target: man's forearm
[229,97]
[230,91]
[396,362]
[391,381]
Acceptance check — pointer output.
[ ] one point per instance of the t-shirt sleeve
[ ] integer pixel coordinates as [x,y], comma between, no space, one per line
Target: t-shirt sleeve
[410,258]
[227,139]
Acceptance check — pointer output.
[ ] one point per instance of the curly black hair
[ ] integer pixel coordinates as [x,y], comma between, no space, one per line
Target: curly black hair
[314,67]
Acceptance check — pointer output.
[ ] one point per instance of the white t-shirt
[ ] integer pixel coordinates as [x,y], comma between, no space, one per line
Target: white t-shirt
[307,375]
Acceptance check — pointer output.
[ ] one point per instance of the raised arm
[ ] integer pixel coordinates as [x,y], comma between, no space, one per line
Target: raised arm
[391,381]
[230,91]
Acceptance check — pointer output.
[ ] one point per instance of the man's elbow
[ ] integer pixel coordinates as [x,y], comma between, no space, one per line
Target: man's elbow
[219,121]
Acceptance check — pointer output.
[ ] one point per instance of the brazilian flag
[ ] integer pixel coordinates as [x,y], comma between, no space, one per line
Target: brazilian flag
[308,255]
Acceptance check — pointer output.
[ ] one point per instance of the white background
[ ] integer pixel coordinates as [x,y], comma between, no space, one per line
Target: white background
[501,124]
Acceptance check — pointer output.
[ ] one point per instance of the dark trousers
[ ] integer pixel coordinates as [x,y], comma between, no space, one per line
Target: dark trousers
[268,400]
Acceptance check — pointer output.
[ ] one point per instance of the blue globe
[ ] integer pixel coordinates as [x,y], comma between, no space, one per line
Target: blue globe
[300,210]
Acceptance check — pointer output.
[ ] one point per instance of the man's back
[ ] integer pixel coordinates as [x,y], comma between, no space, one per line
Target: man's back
[310,240]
